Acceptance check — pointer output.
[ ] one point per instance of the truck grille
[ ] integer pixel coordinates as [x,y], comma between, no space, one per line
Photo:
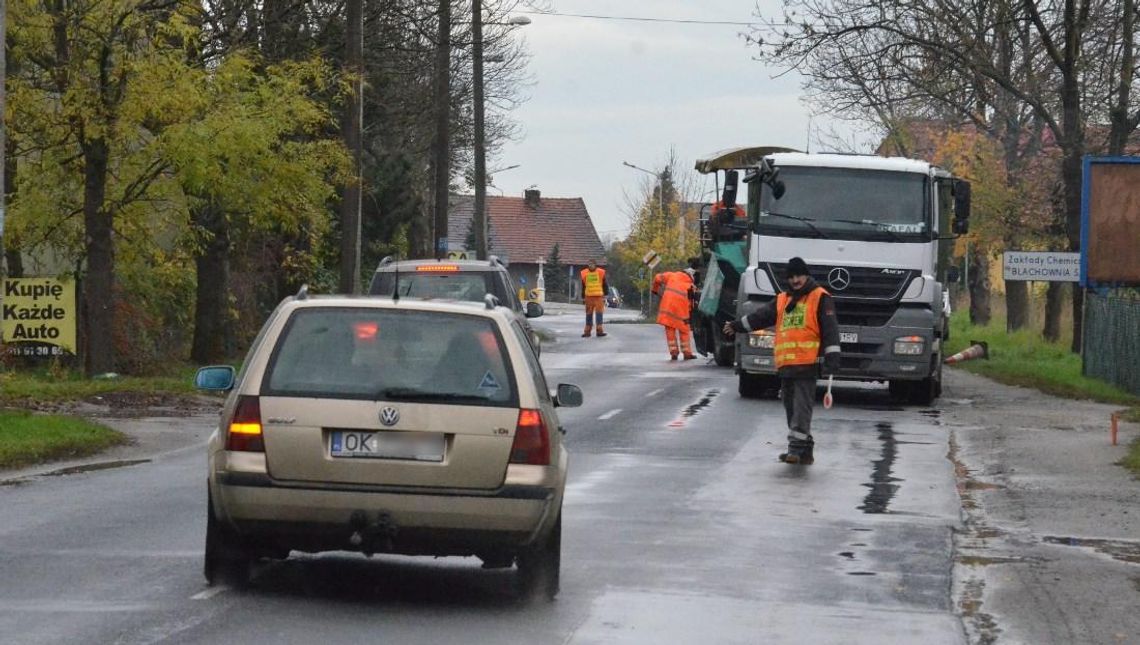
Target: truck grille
[863,282]
[863,313]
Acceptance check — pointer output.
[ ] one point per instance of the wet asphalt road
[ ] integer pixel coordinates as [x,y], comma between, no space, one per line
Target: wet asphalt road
[680,527]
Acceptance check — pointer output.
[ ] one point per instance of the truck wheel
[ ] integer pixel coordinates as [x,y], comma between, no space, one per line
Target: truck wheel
[753,386]
[900,390]
[925,391]
[724,352]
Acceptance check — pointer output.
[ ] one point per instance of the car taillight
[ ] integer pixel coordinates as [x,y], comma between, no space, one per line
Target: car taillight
[245,426]
[532,440]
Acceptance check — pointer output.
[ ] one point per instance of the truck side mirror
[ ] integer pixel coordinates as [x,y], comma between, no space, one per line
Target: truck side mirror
[961,206]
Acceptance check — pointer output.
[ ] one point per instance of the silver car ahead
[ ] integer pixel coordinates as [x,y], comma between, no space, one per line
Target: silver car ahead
[388,426]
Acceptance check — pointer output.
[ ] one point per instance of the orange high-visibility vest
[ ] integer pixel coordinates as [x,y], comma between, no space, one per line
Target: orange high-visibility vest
[797,332]
[674,287]
[593,281]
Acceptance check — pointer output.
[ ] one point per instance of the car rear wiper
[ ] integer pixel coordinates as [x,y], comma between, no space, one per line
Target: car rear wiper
[878,226]
[805,220]
[413,394]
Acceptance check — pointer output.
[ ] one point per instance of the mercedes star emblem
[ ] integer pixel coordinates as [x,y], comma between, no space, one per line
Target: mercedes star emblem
[389,416]
[839,278]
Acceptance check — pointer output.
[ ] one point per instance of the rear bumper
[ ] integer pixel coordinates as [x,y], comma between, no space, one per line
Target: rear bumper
[312,516]
[440,523]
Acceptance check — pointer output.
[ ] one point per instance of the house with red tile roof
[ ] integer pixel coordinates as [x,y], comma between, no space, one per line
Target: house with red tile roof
[523,230]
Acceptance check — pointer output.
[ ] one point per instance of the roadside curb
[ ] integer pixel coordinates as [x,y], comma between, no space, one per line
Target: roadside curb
[150,438]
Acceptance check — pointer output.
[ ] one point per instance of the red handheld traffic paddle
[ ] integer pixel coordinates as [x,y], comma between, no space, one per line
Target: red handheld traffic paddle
[827,400]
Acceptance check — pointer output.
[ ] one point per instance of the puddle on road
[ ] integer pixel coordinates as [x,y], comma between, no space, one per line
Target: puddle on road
[862,573]
[883,486]
[1122,550]
[850,555]
[694,409]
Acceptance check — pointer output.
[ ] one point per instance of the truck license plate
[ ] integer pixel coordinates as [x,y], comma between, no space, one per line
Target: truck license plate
[411,446]
[848,337]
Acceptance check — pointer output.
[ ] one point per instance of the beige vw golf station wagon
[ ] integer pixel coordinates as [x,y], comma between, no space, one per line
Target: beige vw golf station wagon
[388,426]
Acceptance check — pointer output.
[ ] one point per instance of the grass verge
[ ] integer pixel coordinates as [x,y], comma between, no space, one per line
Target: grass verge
[27,439]
[1132,461]
[43,385]
[1024,358]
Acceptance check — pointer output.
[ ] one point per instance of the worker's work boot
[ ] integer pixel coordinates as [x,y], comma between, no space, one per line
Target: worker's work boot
[690,357]
[601,332]
[799,453]
[586,334]
[672,357]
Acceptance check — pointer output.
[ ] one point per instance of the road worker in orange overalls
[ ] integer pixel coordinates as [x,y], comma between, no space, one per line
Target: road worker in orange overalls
[594,289]
[674,289]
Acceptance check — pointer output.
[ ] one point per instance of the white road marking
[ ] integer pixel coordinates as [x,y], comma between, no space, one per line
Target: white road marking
[209,593]
[609,415]
[655,392]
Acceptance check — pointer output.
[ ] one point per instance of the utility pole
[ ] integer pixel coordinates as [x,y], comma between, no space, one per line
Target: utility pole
[440,150]
[353,120]
[479,219]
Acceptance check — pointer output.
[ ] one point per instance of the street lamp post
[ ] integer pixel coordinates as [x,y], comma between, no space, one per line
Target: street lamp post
[479,218]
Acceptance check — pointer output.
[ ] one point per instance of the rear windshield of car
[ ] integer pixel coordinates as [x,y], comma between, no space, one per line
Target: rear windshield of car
[454,285]
[391,355]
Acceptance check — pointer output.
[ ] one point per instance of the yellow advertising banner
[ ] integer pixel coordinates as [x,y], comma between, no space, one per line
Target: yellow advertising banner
[37,316]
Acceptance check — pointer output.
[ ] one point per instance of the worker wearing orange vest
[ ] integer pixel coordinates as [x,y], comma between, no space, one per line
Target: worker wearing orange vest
[805,322]
[594,288]
[674,288]
[738,213]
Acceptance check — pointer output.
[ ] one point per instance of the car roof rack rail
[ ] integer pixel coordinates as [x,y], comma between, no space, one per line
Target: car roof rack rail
[303,292]
[386,261]
[491,301]
[496,261]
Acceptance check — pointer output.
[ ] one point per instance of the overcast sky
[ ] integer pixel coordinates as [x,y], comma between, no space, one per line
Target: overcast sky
[608,91]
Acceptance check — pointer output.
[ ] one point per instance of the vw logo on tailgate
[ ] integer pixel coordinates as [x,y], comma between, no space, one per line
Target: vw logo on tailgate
[839,278]
[389,416]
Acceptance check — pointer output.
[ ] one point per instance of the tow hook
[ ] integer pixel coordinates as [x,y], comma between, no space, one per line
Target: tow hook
[379,533]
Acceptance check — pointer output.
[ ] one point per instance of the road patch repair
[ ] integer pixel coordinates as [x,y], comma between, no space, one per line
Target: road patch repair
[694,409]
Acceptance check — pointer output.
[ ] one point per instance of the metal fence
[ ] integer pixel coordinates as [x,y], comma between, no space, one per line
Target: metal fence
[1112,337]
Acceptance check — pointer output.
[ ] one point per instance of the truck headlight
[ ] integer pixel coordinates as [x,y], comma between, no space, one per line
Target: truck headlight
[910,345]
[762,339]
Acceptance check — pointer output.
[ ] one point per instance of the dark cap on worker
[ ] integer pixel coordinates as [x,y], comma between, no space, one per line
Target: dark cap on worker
[796,266]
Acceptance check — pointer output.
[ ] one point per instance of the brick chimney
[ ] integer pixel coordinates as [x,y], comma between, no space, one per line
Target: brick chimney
[532,196]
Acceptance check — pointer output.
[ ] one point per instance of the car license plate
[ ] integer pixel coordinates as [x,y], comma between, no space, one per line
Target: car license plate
[848,337]
[411,446]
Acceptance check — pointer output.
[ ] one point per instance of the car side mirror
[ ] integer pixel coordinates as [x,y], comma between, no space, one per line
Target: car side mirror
[568,396]
[961,206]
[952,275]
[215,378]
[534,310]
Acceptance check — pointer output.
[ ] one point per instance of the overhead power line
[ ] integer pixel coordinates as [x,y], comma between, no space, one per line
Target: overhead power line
[679,21]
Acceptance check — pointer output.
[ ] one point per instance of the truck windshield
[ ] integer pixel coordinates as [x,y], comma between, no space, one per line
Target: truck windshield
[851,204]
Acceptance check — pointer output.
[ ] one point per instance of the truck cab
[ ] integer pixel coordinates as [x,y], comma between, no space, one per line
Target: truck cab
[877,233]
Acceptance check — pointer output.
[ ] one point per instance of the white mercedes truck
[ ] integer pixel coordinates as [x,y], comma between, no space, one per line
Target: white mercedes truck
[878,234]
